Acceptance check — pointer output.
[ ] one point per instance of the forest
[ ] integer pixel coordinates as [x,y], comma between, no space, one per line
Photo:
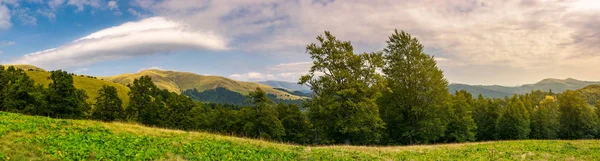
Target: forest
[396,96]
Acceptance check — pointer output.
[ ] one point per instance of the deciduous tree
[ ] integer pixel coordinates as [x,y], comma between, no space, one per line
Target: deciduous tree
[346,86]
[415,102]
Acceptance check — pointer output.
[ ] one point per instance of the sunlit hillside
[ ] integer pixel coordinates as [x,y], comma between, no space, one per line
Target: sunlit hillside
[178,81]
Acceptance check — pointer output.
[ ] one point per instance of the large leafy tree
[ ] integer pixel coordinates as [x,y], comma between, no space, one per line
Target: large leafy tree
[143,106]
[108,106]
[513,122]
[18,93]
[577,119]
[461,127]
[64,100]
[262,119]
[346,86]
[544,119]
[416,98]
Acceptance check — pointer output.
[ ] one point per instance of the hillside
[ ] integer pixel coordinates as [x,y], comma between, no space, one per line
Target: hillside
[181,81]
[26,67]
[291,86]
[496,91]
[591,93]
[42,138]
[90,85]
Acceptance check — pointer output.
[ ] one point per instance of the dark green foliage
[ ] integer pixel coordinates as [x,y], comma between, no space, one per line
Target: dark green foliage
[226,96]
[108,105]
[262,120]
[178,110]
[485,113]
[224,119]
[18,92]
[295,123]
[513,122]
[64,100]
[413,104]
[597,106]
[217,95]
[544,119]
[461,126]
[143,106]
[343,109]
[577,119]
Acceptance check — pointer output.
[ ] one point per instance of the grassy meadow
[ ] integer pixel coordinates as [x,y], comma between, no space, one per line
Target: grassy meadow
[40,138]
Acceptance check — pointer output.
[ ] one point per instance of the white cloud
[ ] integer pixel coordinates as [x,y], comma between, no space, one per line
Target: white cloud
[136,13]
[47,13]
[7,43]
[81,4]
[152,67]
[148,36]
[290,72]
[80,70]
[4,17]
[53,4]
[113,5]
[24,15]
[252,76]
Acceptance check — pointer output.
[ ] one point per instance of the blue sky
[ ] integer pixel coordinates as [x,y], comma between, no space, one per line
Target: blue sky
[475,42]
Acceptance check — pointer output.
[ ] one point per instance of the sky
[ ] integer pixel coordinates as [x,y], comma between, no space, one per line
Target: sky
[503,42]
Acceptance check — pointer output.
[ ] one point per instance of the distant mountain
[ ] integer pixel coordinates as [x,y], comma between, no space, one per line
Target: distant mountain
[180,81]
[476,90]
[496,91]
[290,86]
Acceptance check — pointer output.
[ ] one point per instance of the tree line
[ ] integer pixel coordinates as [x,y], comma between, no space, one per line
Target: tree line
[396,96]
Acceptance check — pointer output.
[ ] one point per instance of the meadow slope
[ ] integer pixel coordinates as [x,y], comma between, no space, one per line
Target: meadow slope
[41,138]
[90,85]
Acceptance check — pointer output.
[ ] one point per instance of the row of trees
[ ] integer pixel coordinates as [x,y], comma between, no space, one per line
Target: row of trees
[397,96]
[19,93]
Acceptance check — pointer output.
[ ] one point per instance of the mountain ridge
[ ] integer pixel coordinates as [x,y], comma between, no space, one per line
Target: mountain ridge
[176,81]
[498,91]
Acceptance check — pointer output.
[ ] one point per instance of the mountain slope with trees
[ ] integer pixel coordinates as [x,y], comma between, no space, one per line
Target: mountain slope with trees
[180,81]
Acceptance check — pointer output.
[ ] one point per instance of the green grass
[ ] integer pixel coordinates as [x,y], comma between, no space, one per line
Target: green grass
[41,138]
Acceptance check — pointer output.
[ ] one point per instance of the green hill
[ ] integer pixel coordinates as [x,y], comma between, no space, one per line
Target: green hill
[42,138]
[496,91]
[181,81]
[26,67]
[90,85]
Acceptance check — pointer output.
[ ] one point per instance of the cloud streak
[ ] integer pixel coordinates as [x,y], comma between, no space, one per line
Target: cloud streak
[156,35]
[4,17]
